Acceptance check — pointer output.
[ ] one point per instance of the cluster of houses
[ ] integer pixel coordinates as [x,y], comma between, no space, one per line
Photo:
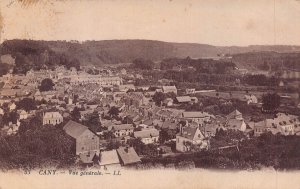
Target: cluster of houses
[190,130]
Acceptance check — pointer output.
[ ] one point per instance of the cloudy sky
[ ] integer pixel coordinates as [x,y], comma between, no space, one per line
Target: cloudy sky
[216,22]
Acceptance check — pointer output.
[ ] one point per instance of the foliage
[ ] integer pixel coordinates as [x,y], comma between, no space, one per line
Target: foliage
[75,114]
[46,85]
[271,101]
[10,117]
[26,104]
[114,111]
[158,97]
[143,64]
[113,144]
[93,122]
[4,68]
[260,80]
[35,146]
[141,148]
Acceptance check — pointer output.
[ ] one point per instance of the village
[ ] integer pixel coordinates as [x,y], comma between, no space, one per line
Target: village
[114,123]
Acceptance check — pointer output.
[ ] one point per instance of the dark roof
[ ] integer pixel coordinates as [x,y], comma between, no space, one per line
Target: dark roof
[128,156]
[121,127]
[74,129]
[189,132]
[169,125]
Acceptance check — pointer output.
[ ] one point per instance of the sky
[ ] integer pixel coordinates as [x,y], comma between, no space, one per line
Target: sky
[215,22]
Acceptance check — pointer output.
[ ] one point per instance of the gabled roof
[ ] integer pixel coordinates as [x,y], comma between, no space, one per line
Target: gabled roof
[121,127]
[109,157]
[234,114]
[235,123]
[148,122]
[169,125]
[74,129]
[196,114]
[183,99]
[189,132]
[146,133]
[128,155]
[167,88]
[8,92]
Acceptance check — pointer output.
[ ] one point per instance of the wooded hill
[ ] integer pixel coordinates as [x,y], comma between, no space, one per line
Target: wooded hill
[49,53]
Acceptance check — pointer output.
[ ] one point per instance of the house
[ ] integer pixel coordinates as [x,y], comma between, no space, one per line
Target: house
[53,118]
[198,117]
[12,128]
[128,156]
[86,140]
[23,114]
[190,91]
[136,99]
[236,124]
[169,89]
[281,84]
[127,87]
[123,71]
[190,137]
[12,106]
[168,102]
[251,99]
[121,130]
[8,93]
[235,115]
[284,124]
[147,136]
[110,159]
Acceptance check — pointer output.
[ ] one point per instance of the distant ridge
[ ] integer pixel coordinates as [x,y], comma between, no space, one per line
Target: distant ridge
[122,51]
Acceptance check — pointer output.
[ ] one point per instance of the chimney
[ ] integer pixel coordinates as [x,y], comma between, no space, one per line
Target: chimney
[126,149]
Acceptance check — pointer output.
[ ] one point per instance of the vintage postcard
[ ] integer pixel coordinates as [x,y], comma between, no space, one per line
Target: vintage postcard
[150,94]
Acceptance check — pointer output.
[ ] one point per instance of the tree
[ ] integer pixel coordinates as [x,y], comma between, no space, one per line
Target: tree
[114,111]
[76,114]
[4,68]
[10,117]
[143,64]
[46,85]
[270,102]
[158,97]
[93,122]
[26,104]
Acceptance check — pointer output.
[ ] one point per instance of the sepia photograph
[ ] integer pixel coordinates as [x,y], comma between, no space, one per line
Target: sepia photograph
[150,94]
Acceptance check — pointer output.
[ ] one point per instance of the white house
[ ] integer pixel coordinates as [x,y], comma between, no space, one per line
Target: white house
[147,136]
[121,130]
[53,118]
[198,117]
[251,99]
[23,114]
[190,137]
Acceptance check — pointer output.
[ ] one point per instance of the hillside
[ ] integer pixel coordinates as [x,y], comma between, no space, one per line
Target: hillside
[123,51]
